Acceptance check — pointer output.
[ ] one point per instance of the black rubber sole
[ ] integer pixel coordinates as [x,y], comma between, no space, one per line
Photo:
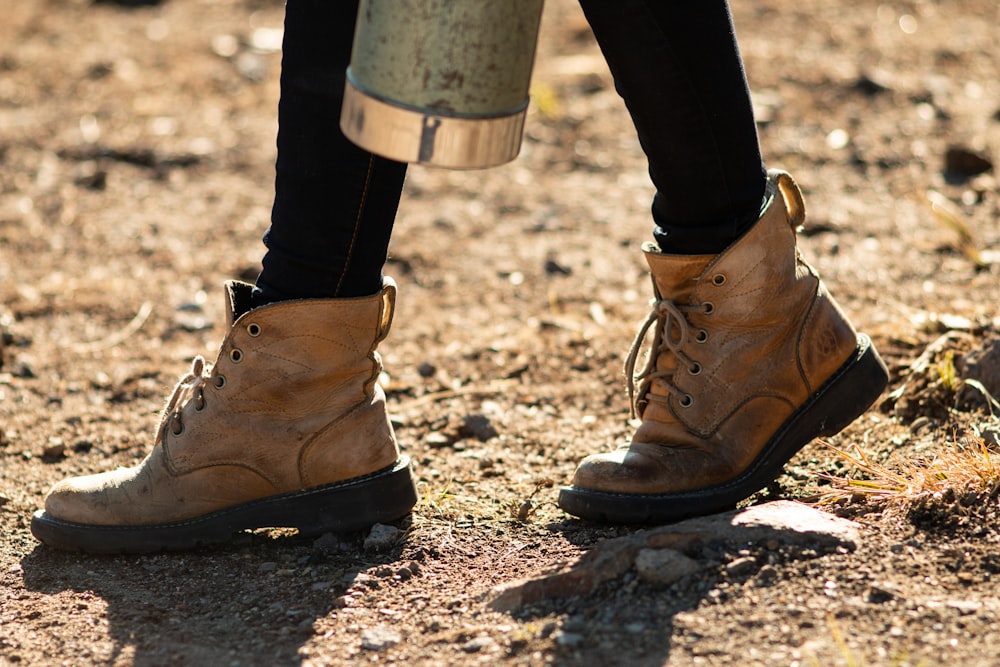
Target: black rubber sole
[351,505]
[841,400]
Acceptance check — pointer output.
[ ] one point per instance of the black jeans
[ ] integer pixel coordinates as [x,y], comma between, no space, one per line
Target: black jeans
[676,65]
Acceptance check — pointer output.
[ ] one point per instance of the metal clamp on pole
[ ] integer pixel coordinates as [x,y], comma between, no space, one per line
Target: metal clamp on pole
[441,82]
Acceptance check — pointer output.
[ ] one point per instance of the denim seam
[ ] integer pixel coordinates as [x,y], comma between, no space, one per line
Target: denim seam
[357,223]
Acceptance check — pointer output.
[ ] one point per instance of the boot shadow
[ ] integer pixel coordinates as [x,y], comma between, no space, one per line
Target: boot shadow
[253,601]
[616,611]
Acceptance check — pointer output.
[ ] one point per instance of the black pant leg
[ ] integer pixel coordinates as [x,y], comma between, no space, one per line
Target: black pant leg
[334,203]
[678,67]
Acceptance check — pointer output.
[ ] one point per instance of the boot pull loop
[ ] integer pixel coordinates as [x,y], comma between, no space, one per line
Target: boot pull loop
[388,308]
[792,195]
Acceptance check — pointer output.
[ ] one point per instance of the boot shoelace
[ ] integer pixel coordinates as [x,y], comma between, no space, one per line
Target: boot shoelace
[668,316]
[191,386]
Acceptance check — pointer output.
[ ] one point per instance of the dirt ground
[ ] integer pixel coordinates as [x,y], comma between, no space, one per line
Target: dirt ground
[136,153]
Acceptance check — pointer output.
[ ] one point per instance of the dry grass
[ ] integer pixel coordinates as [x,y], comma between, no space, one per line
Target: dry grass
[967,468]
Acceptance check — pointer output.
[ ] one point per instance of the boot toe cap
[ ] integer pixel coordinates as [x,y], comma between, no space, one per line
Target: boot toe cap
[646,468]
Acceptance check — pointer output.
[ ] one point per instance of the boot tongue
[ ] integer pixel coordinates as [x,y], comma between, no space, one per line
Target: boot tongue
[239,300]
[675,276]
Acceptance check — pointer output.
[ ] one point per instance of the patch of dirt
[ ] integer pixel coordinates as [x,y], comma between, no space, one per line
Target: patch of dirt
[136,152]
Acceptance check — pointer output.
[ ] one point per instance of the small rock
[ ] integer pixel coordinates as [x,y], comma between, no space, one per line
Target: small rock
[964,162]
[22,370]
[383,572]
[767,576]
[404,573]
[568,639]
[328,542]
[880,594]
[664,566]
[427,370]
[478,426]
[382,537]
[872,83]
[964,607]
[250,65]
[983,365]
[264,568]
[54,451]
[380,638]
[477,644]
[554,268]
[437,440]
[741,567]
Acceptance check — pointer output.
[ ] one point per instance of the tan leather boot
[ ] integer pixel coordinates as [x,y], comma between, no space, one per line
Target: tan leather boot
[287,428]
[751,359]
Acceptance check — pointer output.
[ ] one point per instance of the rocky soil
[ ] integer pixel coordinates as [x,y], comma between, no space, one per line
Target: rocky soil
[136,152]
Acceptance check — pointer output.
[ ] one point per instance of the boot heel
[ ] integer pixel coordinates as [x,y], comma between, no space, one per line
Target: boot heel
[852,390]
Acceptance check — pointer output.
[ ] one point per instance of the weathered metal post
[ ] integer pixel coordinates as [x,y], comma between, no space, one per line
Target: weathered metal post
[441,82]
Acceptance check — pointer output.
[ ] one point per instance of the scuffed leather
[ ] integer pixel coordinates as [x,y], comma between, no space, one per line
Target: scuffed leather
[774,336]
[300,407]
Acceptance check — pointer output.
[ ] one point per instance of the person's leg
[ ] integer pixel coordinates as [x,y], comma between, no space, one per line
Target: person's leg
[334,203]
[750,358]
[677,66]
[288,427]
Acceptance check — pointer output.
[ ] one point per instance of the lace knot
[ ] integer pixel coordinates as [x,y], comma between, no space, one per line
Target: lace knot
[190,387]
[670,334]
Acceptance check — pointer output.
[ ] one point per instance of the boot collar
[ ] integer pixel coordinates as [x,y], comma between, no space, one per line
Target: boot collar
[238,300]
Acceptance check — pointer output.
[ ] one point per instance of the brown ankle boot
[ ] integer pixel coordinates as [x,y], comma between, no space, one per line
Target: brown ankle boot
[287,428]
[751,359]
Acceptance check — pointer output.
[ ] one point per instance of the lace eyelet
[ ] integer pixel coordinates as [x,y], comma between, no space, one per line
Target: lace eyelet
[178,430]
[695,369]
[199,404]
[719,279]
[253,329]
[686,401]
[220,381]
[236,355]
[701,336]
[709,307]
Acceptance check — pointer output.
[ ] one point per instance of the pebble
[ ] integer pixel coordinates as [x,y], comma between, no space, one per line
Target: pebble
[437,440]
[478,426]
[741,567]
[477,644]
[964,607]
[664,566]
[569,639]
[55,450]
[767,576]
[380,638]
[328,542]
[267,567]
[382,537]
